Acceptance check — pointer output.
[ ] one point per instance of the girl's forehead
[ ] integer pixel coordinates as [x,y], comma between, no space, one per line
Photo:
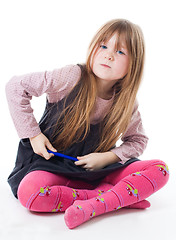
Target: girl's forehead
[119,39]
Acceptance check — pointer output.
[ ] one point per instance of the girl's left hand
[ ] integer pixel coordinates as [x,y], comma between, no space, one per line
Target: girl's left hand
[95,161]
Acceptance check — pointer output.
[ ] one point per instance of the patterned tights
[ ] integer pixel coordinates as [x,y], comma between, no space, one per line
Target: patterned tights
[42,191]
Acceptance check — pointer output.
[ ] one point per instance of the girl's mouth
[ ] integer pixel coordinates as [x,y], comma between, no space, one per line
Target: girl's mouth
[104,65]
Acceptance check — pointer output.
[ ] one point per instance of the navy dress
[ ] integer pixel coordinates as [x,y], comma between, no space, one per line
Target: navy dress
[27,161]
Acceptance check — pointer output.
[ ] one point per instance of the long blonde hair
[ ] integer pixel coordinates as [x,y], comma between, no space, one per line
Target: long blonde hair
[74,123]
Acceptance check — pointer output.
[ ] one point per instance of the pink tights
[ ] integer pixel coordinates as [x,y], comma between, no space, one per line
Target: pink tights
[127,187]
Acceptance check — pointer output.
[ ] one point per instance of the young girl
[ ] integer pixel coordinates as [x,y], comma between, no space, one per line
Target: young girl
[89,107]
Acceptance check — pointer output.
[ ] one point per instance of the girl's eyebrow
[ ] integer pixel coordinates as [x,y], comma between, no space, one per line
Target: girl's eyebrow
[121,45]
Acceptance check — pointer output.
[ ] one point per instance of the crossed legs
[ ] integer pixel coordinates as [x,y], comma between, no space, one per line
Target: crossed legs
[127,187]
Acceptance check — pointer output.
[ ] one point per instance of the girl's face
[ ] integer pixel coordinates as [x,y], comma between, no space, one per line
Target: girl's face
[110,63]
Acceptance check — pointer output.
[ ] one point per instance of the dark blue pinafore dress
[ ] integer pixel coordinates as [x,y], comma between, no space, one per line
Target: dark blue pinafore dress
[27,161]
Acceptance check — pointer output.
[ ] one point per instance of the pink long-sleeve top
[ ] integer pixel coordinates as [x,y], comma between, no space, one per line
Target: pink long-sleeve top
[57,84]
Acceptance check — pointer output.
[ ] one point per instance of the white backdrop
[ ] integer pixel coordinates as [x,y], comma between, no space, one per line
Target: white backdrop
[39,35]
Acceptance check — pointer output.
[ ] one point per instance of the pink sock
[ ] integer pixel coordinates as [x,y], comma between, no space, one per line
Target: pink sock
[149,177]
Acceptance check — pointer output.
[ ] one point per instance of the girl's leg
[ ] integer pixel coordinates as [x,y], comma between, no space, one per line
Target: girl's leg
[132,184]
[43,191]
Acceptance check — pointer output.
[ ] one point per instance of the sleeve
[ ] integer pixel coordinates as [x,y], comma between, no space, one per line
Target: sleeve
[20,89]
[134,139]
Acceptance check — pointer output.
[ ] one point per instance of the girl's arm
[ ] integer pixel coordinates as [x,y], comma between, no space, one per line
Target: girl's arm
[134,140]
[20,89]
[56,84]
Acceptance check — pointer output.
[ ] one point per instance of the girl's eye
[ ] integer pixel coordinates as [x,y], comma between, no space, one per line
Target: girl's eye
[103,46]
[120,52]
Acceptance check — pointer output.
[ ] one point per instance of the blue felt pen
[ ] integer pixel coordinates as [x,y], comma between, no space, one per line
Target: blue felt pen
[63,155]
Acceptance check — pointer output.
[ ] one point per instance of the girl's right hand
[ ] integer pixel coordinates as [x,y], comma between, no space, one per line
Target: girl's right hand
[40,144]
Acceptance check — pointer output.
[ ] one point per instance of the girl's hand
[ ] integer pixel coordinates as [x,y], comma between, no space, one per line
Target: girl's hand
[95,161]
[40,144]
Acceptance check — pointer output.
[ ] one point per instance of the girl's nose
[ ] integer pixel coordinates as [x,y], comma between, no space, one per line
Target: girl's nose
[109,57]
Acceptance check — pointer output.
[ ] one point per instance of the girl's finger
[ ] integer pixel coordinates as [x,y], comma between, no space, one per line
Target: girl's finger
[46,155]
[50,147]
[80,162]
[81,157]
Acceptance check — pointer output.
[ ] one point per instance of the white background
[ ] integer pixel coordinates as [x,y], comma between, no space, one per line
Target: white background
[39,35]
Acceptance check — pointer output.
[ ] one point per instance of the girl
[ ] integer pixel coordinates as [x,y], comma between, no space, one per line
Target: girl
[89,107]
